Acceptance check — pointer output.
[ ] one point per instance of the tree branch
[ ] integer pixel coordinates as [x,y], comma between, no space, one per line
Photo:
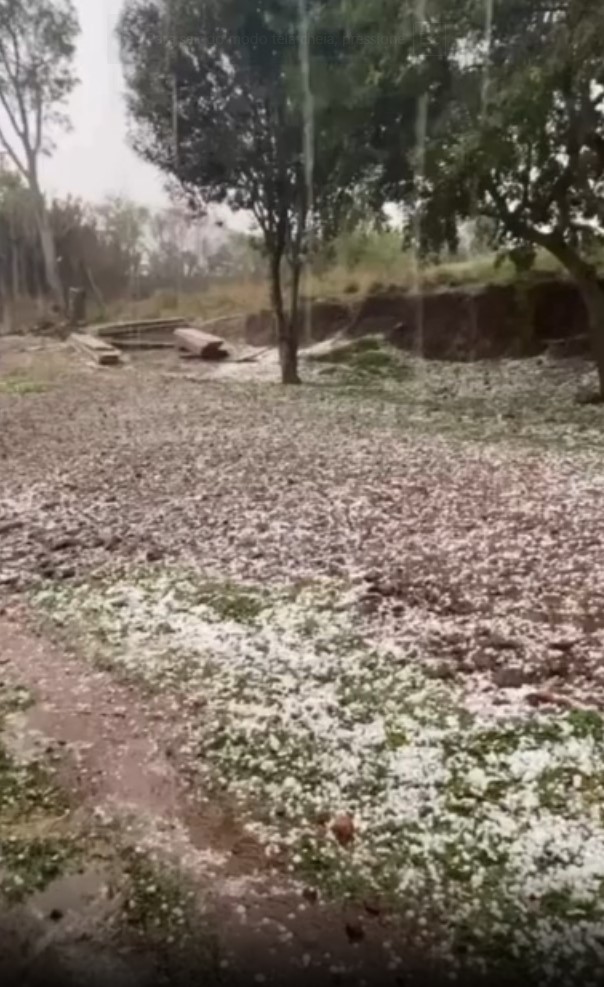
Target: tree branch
[6,144]
[16,81]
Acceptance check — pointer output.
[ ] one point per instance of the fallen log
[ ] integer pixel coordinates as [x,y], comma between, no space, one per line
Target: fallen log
[96,350]
[200,344]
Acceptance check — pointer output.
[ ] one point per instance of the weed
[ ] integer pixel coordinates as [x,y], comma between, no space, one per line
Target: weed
[28,800]
[232,602]
[160,906]
[31,864]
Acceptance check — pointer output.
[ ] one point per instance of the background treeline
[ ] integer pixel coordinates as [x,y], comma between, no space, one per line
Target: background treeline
[115,250]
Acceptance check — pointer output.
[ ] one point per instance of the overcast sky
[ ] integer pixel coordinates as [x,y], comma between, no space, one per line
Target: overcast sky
[95,159]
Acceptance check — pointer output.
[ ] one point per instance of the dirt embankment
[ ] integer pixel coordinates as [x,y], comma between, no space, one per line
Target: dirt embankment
[490,321]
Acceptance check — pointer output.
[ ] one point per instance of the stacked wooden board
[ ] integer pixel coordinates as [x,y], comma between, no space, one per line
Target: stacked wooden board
[103,343]
[96,350]
[132,327]
[144,334]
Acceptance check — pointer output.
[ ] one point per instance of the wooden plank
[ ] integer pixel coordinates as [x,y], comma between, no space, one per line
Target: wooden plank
[253,354]
[200,344]
[143,344]
[96,349]
[133,326]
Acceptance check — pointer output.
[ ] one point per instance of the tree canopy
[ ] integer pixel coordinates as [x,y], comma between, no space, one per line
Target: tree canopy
[218,95]
[512,98]
[37,47]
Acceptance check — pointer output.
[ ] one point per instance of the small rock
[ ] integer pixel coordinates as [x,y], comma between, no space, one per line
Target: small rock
[311,895]
[557,666]
[354,931]
[512,677]
[7,526]
[443,670]
[482,661]
[342,828]
[563,644]
[62,543]
[503,643]
[544,698]
[112,542]
[154,554]
[66,572]
[372,907]
[9,578]
[47,568]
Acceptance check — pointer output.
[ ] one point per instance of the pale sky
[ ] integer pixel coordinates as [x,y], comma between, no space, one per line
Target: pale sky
[94,159]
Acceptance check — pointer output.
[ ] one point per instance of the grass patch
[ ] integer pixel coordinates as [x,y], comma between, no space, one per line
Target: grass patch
[361,360]
[26,789]
[493,831]
[232,602]
[32,810]
[28,865]
[156,903]
[20,385]
[161,910]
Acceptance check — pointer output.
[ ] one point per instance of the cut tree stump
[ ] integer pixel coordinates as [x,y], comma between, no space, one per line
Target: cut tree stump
[201,344]
[76,307]
[96,350]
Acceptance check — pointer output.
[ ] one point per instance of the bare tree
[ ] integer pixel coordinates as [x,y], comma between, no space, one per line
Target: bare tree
[37,46]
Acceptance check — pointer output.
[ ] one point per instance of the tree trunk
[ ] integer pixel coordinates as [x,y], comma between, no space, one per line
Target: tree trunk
[47,240]
[49,255]
[287,329]
[586,278]
[593,296]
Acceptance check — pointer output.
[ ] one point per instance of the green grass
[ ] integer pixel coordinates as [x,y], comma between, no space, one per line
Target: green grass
[232,602]
[34,847]
[30,864]
[156,901]
[361,361]
[289,708]
[20,385]
[161,909]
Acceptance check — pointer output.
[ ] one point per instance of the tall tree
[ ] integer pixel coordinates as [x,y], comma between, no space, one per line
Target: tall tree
[37,45]
[512,99]
[219,95]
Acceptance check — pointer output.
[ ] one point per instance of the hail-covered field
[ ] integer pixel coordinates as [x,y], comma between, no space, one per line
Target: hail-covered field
[380,606]
[363,774]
